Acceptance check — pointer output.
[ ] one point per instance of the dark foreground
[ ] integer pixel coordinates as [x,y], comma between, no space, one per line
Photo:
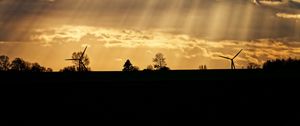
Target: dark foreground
[184,98]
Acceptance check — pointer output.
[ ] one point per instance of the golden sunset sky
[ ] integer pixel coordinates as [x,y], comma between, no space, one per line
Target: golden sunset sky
[188,32]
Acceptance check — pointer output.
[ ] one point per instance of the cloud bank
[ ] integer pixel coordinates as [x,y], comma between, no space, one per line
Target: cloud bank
[256,51]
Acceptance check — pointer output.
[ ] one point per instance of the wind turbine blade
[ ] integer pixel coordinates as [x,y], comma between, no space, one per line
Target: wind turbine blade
[83,53]
[237,54]
[225,57]
[71,59]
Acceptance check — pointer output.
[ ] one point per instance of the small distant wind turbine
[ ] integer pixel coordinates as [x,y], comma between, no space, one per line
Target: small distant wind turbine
[232,59]
[80,62]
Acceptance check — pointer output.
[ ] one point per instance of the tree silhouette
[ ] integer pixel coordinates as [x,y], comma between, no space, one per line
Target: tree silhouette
[19,64]
[129,67]
[68,69]
[49,70]
[282,64]
[160,62]
[35,67]
[4,63]
[85,61]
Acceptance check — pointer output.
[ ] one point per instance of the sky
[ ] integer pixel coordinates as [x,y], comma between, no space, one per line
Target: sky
[189,33]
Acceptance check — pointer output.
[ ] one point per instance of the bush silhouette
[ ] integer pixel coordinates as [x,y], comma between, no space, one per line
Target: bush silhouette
[164,69]
[149,68]
[202,67]
[68,69]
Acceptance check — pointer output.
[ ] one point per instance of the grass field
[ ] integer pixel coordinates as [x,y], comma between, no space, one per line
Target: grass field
[211,97]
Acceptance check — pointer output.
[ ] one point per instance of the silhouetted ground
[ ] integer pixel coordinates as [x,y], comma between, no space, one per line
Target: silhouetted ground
[212,97]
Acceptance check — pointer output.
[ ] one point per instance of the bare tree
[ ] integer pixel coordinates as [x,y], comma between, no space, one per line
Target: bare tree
[85,61]
[253,66]
[160,62]
[4,63]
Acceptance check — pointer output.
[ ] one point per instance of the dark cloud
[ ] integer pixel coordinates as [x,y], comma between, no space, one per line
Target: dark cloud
[18,19]
[236,20]
[291,6]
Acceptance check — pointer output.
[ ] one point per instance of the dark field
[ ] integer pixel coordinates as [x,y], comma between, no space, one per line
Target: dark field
[212,97]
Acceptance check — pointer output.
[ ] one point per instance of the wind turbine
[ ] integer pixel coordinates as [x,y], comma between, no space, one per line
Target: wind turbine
[232,59]
[80,62]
